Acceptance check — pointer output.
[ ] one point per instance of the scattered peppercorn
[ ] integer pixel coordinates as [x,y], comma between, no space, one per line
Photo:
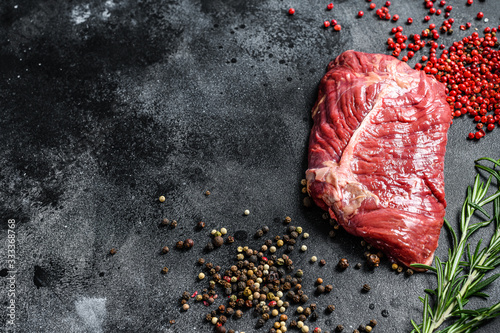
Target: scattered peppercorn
[113,251]
[173,225]
[328,288]
[343,263]
[201,225]
[320,289]
[179,244]
[373,260]
[218,241]
[330,308]
[164,270]
[165,221]
[291,11]
[366,288]
[339,328]
[165,250]
[188,243]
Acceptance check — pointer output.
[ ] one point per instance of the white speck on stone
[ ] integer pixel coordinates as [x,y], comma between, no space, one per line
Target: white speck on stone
[80,13]
[16,6]
[92,312]
[486,20]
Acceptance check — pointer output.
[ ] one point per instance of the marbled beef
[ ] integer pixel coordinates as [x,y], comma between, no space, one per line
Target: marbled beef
[376,153]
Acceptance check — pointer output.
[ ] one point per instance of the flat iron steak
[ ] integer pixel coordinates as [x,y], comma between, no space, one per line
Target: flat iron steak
[376,153]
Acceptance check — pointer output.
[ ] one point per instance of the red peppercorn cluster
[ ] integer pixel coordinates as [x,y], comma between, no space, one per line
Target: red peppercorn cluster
[470,68]
[383,12]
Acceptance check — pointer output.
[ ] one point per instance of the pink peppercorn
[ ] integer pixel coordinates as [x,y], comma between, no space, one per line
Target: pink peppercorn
[361,13]
[326,24]
[329,6]
[291,11]
[480,15]
[409,20]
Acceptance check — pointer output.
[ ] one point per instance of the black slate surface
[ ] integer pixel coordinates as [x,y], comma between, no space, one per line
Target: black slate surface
[106,105]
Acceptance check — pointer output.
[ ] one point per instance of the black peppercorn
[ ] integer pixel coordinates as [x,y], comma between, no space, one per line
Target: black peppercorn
[373,260]
[322,262]
[307,312]
[291,229]
[165,221]
[320,289]
[188,243]
[173,224]
[259,233]
[164,270]
[314,316]
[302,317]
[339,328]
[201,225]
[260,323]
[366,288]
[209,246]
[218,241]
[343,263]
[304,298]
[328,288]
[165,250]
[185,295]
[265,229]
[220,329]
[330,308]
[230,239]
[409,272]
[208,317]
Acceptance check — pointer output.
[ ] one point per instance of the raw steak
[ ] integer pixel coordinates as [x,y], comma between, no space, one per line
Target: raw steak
[376,153]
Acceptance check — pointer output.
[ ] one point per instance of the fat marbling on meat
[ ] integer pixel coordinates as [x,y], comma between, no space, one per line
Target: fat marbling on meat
[376,153]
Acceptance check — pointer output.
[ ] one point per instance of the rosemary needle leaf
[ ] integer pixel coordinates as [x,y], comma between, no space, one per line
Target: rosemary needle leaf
[464,274]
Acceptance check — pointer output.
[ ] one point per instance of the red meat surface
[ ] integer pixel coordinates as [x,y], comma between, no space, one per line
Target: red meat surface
[376,153]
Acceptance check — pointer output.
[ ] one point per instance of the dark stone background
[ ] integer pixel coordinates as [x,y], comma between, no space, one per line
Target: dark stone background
[106,105]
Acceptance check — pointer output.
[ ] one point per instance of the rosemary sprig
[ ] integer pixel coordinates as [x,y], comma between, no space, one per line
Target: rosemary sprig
[465,273]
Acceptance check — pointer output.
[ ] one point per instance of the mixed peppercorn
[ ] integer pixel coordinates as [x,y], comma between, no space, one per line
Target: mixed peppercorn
[263,280]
